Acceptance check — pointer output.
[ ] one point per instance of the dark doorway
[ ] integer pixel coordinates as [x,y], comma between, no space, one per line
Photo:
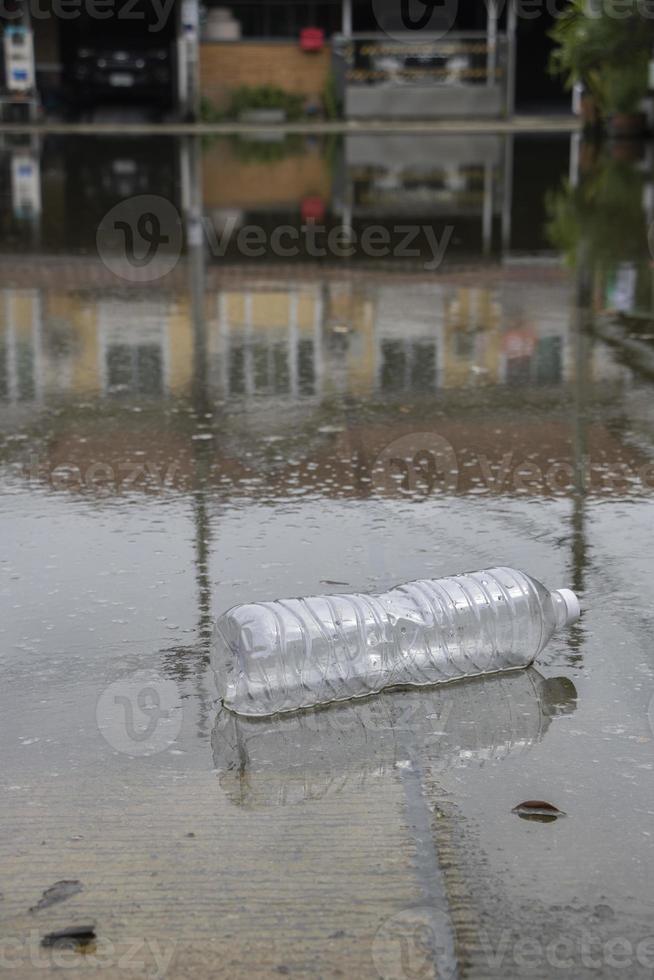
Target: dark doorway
[536,89]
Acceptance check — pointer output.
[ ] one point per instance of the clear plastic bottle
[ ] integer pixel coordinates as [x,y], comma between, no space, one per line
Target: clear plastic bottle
[270,657]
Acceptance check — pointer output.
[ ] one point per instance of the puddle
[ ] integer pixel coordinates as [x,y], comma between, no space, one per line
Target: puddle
[214,426]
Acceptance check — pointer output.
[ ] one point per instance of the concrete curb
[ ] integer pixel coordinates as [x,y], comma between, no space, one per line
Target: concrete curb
[519,124]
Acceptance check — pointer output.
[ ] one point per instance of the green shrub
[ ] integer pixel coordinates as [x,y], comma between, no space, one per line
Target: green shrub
[265,97]
[608,55]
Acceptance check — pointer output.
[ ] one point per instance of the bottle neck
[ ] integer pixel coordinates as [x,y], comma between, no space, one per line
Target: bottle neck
[566,607]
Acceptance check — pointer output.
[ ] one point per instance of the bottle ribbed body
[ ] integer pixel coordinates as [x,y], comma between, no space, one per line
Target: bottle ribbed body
[279,656]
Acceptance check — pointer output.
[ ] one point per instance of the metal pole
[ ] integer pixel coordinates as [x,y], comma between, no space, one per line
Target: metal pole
[346,18]
[511,31]
[189,66]
[491,42]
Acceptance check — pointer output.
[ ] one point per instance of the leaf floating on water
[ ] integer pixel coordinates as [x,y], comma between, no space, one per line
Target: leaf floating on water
[538,810]
[58,892]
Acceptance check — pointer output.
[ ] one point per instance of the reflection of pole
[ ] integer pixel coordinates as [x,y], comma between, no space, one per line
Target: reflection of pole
[190,661]
[202,448]
[188,59]
[507,196]
[487,221]
[575,149]
[582,354]
[202,459]
[193,205]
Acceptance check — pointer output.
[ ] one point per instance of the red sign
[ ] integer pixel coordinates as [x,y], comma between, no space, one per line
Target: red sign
[312,38]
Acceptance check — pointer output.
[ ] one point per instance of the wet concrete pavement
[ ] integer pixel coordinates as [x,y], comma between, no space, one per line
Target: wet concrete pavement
[248,427]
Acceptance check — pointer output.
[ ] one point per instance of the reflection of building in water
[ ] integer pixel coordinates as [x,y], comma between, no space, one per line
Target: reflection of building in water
[20,174]
[249,176]
[294,341]
[473,319]
[427,179]
[21,354]
[408,350]
[268,342]
[72,342]
[133,360]
[291,341]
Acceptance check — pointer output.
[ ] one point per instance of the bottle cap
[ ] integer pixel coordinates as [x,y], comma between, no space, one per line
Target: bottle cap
[572,607]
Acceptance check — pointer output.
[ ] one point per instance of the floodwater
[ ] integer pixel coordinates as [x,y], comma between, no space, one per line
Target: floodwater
[185,425]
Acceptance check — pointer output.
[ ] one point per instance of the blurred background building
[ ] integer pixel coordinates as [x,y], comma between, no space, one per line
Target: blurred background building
[181,58]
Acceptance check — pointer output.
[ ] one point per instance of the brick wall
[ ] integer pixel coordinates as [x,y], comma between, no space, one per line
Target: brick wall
[227,65]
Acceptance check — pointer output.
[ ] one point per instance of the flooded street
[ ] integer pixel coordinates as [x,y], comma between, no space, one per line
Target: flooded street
[287,411]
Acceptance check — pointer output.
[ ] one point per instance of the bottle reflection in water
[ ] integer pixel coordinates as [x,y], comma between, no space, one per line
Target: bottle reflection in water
[326,751]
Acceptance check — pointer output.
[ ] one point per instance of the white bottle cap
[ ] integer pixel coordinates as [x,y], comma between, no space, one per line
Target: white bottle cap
[572,606]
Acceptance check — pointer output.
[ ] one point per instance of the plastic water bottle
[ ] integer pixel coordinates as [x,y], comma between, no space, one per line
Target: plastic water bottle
[270,657]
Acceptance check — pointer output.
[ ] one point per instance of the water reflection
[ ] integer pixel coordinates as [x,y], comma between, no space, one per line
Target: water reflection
[320,752]
[359,180]
[291,340]
[235,378]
